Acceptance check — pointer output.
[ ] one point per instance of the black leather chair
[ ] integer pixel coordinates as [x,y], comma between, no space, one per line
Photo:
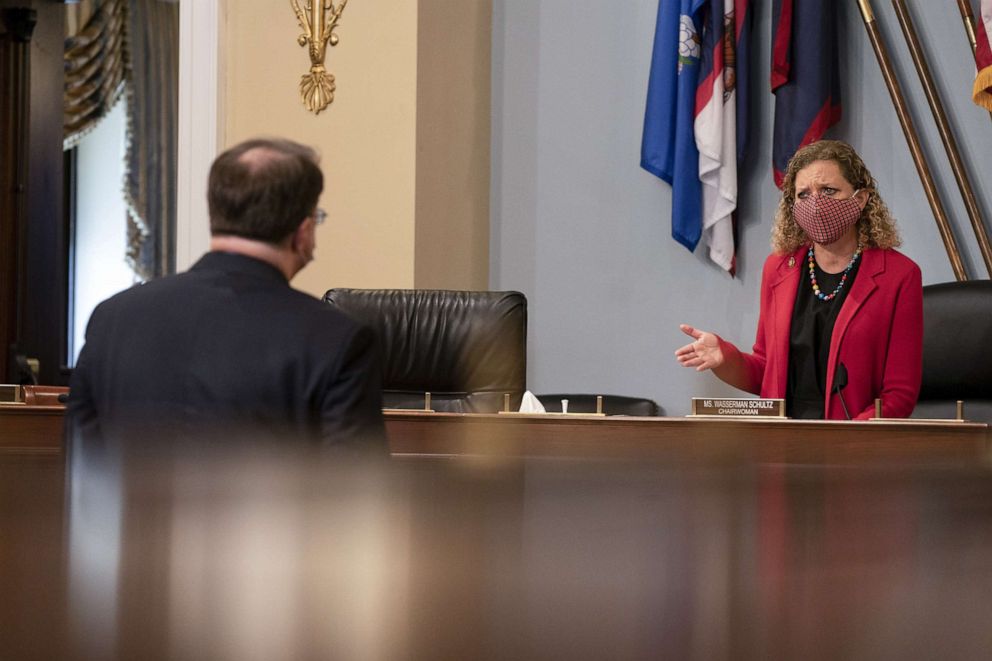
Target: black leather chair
[466,348]
[957,350]
[612,404]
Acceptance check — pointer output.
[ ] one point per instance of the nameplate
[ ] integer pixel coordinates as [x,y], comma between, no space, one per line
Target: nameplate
[11,394]
[739,408]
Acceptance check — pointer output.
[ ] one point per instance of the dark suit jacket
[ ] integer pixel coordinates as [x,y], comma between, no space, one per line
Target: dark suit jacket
[227,349]
[878,334]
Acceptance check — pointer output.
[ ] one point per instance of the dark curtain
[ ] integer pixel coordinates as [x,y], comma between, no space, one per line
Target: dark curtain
[131,47]
[95,64]
[153,123]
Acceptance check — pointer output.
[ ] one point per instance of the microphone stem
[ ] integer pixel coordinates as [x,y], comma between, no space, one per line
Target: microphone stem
[843,404]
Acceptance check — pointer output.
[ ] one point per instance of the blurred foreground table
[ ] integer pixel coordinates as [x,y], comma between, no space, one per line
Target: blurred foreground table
[505,537]
[269,554]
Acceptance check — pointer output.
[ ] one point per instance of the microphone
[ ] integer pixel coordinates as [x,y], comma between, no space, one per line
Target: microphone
[840,382]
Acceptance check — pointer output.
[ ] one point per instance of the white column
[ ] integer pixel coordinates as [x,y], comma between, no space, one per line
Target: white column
[201,130]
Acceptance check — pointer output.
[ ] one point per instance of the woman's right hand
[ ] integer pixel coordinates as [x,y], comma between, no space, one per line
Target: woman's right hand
[703,352]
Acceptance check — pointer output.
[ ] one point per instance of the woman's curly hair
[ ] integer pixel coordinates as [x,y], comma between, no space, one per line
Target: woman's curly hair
[876,226]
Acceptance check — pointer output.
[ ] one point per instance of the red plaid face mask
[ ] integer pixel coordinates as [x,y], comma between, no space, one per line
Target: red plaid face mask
[825,219]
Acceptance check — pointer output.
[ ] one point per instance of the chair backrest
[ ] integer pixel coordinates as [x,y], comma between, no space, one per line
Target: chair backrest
[466,348]
[612,404]
[957,350]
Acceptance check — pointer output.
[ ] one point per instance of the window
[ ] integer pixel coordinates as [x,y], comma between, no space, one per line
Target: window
[98,228]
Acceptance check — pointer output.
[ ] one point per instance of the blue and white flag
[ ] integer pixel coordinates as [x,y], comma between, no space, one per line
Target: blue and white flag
[668,144]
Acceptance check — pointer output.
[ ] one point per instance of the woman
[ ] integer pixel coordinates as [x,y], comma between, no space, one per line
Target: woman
[839,305]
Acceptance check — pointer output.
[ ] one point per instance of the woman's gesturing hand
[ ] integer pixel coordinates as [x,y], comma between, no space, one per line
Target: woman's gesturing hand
[703,353]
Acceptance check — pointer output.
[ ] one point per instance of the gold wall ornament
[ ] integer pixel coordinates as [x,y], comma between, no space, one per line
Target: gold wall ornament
[317,18]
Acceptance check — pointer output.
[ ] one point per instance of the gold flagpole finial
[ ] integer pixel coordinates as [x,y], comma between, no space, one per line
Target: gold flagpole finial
[317,19]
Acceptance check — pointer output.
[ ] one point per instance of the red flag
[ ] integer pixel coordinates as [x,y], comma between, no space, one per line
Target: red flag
[715,128]
[721,121]
[982,94]
[805,77]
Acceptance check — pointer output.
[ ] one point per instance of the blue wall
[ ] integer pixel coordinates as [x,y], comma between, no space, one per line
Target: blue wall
[585,233]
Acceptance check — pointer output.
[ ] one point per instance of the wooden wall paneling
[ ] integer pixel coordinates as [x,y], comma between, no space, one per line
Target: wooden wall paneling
[33,247]
[43,327]
[16,30]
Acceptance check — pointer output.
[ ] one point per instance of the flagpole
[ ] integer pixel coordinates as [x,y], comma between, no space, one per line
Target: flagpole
[968,18]
[895,91]
[946,135]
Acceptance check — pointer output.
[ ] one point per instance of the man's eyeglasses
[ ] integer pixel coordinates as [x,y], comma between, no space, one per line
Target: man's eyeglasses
[319,216]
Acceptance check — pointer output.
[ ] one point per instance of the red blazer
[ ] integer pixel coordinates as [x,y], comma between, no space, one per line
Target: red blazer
[878,335]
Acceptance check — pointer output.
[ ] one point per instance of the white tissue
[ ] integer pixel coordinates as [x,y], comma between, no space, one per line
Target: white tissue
[531,404]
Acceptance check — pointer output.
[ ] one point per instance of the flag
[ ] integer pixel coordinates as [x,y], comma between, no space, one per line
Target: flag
[716,126]
[744,17]
[690,138]
[668,144]
[982,94]
[804,76]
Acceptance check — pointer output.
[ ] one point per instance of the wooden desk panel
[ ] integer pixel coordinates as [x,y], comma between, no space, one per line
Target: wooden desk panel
[31,429]
[702,439]
[38,429]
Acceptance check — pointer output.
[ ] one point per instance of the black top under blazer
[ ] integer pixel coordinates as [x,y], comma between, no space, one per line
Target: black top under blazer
[224,350]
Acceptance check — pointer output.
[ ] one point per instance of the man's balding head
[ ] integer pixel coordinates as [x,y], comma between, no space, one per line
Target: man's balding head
[263,189]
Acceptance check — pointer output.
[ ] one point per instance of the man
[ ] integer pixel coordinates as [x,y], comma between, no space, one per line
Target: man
[228,349]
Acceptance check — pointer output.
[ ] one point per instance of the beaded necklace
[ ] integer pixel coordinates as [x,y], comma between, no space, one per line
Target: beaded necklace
[812,275]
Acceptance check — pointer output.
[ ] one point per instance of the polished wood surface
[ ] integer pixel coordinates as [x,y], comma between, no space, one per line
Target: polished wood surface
[491,536]
[32,553]
[275,556]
